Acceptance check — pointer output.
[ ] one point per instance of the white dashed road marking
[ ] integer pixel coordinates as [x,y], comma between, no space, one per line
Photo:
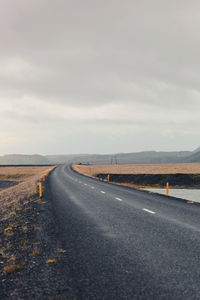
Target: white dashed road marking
[119,199]
[149,211]
[103,192]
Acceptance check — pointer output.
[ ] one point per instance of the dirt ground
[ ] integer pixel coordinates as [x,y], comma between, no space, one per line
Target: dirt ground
[21,173]
[17,183]
[33,263]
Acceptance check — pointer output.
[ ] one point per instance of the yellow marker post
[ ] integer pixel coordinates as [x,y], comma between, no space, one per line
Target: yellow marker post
[40,190]
[108,178]
[167,189]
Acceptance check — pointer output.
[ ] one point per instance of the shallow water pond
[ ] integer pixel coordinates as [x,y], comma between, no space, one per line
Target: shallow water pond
[192,195]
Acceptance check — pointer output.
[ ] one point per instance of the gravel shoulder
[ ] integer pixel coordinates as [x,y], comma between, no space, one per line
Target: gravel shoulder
[33,261]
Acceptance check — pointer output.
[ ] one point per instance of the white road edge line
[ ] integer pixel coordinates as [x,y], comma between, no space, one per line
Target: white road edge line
[149,211]
[119,199]
[103,192]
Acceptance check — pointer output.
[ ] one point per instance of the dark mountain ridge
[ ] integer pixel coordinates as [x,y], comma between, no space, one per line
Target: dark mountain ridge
[194,157]
[145,157]
[22,159]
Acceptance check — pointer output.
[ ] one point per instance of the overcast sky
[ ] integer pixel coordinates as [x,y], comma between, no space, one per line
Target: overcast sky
[99,76]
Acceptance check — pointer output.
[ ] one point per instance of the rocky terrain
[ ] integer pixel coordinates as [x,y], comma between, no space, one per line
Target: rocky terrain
[33,261]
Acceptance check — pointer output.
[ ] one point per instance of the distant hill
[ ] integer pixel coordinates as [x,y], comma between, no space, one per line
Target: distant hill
[195,157]
[21,159]
[196,150]
[68,158]
[147,157]
[152,157]
[122,158]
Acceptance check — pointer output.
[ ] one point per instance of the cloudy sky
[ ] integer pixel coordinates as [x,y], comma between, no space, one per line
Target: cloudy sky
[99,76]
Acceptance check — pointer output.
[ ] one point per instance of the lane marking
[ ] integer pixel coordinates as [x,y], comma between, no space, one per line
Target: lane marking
[149,211]
[103,192]
[85,183]
[92,187]
[119,199]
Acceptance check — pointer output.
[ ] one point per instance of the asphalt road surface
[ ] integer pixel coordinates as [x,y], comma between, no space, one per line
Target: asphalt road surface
[124,243]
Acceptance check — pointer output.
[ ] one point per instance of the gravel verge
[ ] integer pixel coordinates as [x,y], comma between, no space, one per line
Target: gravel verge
[33,261]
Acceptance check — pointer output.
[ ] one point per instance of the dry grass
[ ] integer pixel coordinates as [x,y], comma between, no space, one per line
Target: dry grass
[61,251]
[11,198]
[21,173]
[51,261]
[13,268]
[35,253]
[17,228]
[92,170]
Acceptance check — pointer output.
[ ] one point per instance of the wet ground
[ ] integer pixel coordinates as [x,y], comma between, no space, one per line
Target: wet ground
[188,194]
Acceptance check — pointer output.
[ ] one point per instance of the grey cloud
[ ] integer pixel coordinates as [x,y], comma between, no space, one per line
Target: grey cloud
[93,53]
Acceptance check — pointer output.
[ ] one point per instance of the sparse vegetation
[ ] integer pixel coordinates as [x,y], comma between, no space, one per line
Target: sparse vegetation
[93,170]
[27,178]
[32,260]
[35,253]
[61,251]
[19,212]
[51,261]
[21,173]
[13,268]
[141,176]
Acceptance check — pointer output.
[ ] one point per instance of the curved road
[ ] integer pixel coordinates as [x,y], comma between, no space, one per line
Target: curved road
[124,243]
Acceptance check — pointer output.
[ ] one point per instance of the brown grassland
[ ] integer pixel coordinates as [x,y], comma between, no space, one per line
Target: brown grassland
[92,170]
[21,173]
[17,215]
[25,181]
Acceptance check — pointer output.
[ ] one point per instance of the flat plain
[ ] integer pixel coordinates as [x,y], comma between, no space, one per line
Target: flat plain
[92,170]
[18,183]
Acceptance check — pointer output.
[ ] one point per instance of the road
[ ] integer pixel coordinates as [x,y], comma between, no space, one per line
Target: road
[124,243]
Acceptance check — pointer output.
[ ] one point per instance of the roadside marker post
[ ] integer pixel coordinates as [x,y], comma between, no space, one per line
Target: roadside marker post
[167,189]
[40,190]
[108,178]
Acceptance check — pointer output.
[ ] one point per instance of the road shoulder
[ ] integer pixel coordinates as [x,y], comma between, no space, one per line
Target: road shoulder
[34,264]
